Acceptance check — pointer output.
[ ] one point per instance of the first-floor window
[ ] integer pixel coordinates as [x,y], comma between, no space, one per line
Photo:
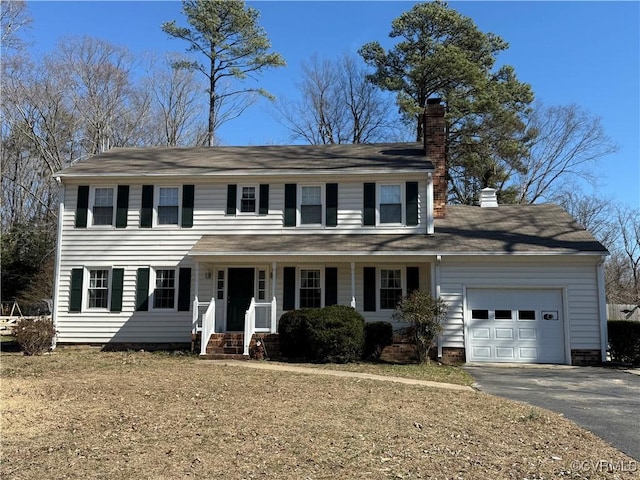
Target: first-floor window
[98,288]
[164,293]
[220,285]
[262,285]
[310,290]
[390,288]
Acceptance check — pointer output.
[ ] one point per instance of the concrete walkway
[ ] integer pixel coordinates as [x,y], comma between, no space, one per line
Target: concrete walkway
[284,367]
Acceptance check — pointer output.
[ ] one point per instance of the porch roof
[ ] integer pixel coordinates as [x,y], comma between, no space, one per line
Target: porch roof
[466,230]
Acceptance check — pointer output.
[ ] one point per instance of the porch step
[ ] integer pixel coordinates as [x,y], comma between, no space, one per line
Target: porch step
[223,356]
[226,344]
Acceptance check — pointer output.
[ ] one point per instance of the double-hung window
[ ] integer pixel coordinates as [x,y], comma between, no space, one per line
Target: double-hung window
[98,291]
[102,210]
[248,201]
[168,205]
[311,205]
[164,293]
[390,288]
[310,288]
[390,206]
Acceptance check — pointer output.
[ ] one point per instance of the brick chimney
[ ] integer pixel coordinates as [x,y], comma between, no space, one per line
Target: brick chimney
[433,137]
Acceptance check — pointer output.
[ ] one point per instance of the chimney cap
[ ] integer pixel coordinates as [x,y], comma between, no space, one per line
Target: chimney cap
[434,101]
[488,198]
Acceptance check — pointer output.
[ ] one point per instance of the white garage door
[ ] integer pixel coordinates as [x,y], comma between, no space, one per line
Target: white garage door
[515,325]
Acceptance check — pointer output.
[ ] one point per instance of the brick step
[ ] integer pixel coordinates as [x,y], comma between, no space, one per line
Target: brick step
[223,356]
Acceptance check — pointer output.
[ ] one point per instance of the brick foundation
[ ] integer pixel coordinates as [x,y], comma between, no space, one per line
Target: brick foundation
[582,358]
[453,355]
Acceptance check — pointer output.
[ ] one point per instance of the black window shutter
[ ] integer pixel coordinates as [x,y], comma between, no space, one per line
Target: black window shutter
[411,192]
[330,286]
[369,206]
[289,288]
[142,290]
[232,197]
[187,206]
[332,205]
[264,199]
[146,208]
[413,279]
[184,289]
[117,284]
[122,206]
[75,296]
[290,205]
[369,286]
[82,206]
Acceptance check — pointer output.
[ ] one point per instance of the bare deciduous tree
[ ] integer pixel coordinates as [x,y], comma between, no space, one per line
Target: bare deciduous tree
[339,104]
[566,142]
[623,268]
[176,113]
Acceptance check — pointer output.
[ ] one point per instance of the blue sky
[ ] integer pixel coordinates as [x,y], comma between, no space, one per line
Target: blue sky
[586,53]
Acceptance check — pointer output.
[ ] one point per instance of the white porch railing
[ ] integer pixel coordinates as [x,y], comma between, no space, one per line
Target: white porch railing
[259,318]
[205,324]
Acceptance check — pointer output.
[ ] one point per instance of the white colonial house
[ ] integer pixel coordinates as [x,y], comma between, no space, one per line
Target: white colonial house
[156,245]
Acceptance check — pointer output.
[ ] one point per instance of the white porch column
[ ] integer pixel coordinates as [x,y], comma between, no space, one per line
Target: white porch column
[274,303]
[197,286]
[353,284]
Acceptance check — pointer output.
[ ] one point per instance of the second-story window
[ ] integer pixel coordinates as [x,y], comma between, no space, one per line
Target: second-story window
[311,205]
[168,203]
[103,206]
[248,200]
[390,204]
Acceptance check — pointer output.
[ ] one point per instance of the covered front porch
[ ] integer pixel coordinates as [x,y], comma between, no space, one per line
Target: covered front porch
[240,290]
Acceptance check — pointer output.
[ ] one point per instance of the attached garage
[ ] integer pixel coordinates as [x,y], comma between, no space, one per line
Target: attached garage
[515,325]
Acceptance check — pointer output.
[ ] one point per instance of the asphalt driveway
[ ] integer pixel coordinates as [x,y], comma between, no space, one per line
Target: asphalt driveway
[604,401]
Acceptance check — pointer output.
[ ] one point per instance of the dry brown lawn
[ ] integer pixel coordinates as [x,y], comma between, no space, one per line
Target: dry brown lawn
[87,414]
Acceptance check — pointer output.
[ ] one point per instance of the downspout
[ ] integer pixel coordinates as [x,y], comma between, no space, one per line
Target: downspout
[56,273]
[602,304]
[436,293]
[430,228]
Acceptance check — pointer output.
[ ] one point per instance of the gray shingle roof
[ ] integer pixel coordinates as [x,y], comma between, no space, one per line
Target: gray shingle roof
[298,159]
[518,229]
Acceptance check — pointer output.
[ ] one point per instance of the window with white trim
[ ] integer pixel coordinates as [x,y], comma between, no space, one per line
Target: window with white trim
[262,285]
[390,288]
[248,199]
[390,204]
[311,205]
[310,291]
[168,207]
[220,285]
[98,289]
[102,211]
[164,292]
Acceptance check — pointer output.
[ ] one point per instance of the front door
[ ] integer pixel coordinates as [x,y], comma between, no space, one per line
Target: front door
[239,293]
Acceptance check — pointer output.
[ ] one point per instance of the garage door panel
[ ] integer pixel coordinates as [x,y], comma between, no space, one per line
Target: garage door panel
[504,333]
[527,333]
[481,352]
[480,333]
[507,325]
[505,353]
